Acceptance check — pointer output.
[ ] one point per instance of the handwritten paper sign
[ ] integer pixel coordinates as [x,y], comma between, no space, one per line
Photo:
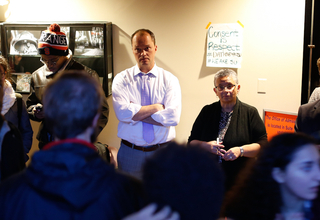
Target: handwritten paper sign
[278,122]
[224,45]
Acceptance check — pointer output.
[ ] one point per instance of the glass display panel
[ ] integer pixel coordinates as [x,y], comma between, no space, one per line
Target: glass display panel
[21,82]
[89,42]
[25,42]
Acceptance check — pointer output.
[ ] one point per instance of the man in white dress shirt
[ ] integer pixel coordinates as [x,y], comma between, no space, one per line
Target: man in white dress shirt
[147,103]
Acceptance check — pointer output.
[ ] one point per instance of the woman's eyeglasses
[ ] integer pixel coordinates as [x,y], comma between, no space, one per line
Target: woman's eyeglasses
[49,62]
[228,87]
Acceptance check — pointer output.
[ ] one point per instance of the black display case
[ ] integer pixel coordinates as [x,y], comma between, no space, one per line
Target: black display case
[90,43]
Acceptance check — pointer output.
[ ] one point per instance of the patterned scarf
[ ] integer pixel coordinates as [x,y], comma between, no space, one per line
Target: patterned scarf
[225,118]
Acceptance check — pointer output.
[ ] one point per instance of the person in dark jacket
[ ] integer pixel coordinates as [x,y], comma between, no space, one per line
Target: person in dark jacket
[308,119]
[68,179]
[12,155]
[14,108]
[229,128]
[55,56]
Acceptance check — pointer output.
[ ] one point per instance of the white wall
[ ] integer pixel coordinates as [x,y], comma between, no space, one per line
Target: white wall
[273,45]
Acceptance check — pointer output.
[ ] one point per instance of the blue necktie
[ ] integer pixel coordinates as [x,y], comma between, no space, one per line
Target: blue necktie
[148,134]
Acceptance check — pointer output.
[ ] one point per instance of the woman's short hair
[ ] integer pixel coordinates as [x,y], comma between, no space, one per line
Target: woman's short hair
[70,103]
[224,73]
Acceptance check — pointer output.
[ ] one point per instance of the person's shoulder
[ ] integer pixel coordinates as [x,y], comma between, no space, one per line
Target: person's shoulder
[130,70]
[246,106]
[38,71]
[210,107]
[127,73]
[310,105]
[315,95]
[316,90]
[75,65]
[165,72]
[167,77]
[12,183]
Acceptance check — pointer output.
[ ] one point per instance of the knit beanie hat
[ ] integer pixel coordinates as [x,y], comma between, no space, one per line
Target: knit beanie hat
[53,42]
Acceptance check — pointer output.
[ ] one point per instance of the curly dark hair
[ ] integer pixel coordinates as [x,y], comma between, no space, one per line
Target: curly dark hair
[6,67]
[257,195]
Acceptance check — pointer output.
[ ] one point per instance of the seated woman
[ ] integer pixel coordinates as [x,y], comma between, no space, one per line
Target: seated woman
[281,183]
[229,128]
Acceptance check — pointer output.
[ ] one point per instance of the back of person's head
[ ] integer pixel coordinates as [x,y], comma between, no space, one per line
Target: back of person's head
[188,179]
[71,102]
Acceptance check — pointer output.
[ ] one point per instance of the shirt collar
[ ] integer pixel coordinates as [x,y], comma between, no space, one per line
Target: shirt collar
[153,71]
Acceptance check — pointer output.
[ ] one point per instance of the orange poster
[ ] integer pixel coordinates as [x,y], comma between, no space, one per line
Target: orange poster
[278,122]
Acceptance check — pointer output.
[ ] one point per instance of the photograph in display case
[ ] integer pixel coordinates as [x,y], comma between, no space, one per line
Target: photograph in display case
[21,81]
[90,42]
[22,43]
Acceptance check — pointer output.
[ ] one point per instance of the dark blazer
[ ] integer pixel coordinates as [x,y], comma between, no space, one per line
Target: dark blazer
[308,120]
[245,127]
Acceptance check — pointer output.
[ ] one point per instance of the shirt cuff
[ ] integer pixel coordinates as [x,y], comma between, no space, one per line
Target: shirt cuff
[134,109]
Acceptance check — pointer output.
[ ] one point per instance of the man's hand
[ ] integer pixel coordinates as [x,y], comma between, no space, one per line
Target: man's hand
[38,111]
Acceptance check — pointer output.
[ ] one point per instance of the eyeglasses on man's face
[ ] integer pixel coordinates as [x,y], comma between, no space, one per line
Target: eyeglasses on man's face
[228,87]
[52,62]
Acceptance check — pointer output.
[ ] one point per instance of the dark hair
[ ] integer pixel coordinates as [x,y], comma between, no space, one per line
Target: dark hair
[257,195]
[142,32]
[70,103]
[188,179]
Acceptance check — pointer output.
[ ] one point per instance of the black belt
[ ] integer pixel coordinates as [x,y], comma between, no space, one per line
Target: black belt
[144,149]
